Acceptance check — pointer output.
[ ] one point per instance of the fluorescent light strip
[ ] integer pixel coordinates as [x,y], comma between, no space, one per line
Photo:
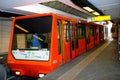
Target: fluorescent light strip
[21,28]
[88,9]
[96,13]
[36,8]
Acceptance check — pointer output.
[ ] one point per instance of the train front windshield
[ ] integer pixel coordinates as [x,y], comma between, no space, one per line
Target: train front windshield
[31,38]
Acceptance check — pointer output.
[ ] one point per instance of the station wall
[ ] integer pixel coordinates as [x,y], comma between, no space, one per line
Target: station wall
[5,29]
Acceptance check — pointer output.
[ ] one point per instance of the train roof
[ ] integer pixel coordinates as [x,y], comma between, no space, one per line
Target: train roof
[50,13]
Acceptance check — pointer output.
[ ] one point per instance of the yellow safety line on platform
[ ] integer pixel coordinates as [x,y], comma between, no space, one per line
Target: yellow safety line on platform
[72,73]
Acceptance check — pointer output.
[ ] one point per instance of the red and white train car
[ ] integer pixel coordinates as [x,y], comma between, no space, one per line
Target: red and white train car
[62,39]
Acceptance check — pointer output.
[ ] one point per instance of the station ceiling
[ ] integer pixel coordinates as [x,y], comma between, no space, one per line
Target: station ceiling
[107,7]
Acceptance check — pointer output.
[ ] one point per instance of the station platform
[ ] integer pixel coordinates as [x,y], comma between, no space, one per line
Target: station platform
[100,63]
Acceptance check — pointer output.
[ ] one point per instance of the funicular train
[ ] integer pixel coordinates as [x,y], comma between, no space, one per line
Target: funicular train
[61,40]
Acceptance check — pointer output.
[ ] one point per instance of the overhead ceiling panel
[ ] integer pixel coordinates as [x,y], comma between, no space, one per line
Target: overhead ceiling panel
[7,7]
[108,7]
[61,6]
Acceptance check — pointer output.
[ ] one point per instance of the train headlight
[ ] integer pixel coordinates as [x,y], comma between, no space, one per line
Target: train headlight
[17,73]
[41,75]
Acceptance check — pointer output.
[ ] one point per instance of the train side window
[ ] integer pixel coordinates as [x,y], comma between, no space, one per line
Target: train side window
[87,34]
[112,29]
[72,35]
[67,30]
[59,25]
[92,30]
[81,30]
[102,31]
[77,35]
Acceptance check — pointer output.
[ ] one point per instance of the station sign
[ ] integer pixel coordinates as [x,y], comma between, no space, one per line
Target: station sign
[101,18]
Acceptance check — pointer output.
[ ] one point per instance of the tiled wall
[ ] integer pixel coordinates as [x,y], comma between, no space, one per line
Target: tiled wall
[21,40]
[5,29]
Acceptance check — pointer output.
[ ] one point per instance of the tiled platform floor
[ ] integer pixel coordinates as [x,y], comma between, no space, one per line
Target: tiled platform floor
[99,64]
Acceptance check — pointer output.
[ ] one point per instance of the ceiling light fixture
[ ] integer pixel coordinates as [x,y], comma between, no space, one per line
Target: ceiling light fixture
[96,13]
[88,9]
[36,8]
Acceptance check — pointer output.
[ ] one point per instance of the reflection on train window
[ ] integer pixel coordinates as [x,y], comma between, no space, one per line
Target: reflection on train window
[32,38]
[92,30]
[33,33]
[102,30]
[59,25]
[72,33]
[77,35]
[81,30]
[67,30]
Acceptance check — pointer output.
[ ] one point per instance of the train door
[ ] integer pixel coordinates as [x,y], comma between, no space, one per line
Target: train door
[67,45]
[60,41]
[97,35]
[87,37]
[92,38]
[64,41]
[81,32]
[101,34]
[72,40]
[77,40]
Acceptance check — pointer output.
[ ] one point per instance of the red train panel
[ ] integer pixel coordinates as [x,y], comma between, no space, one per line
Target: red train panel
[41,43]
